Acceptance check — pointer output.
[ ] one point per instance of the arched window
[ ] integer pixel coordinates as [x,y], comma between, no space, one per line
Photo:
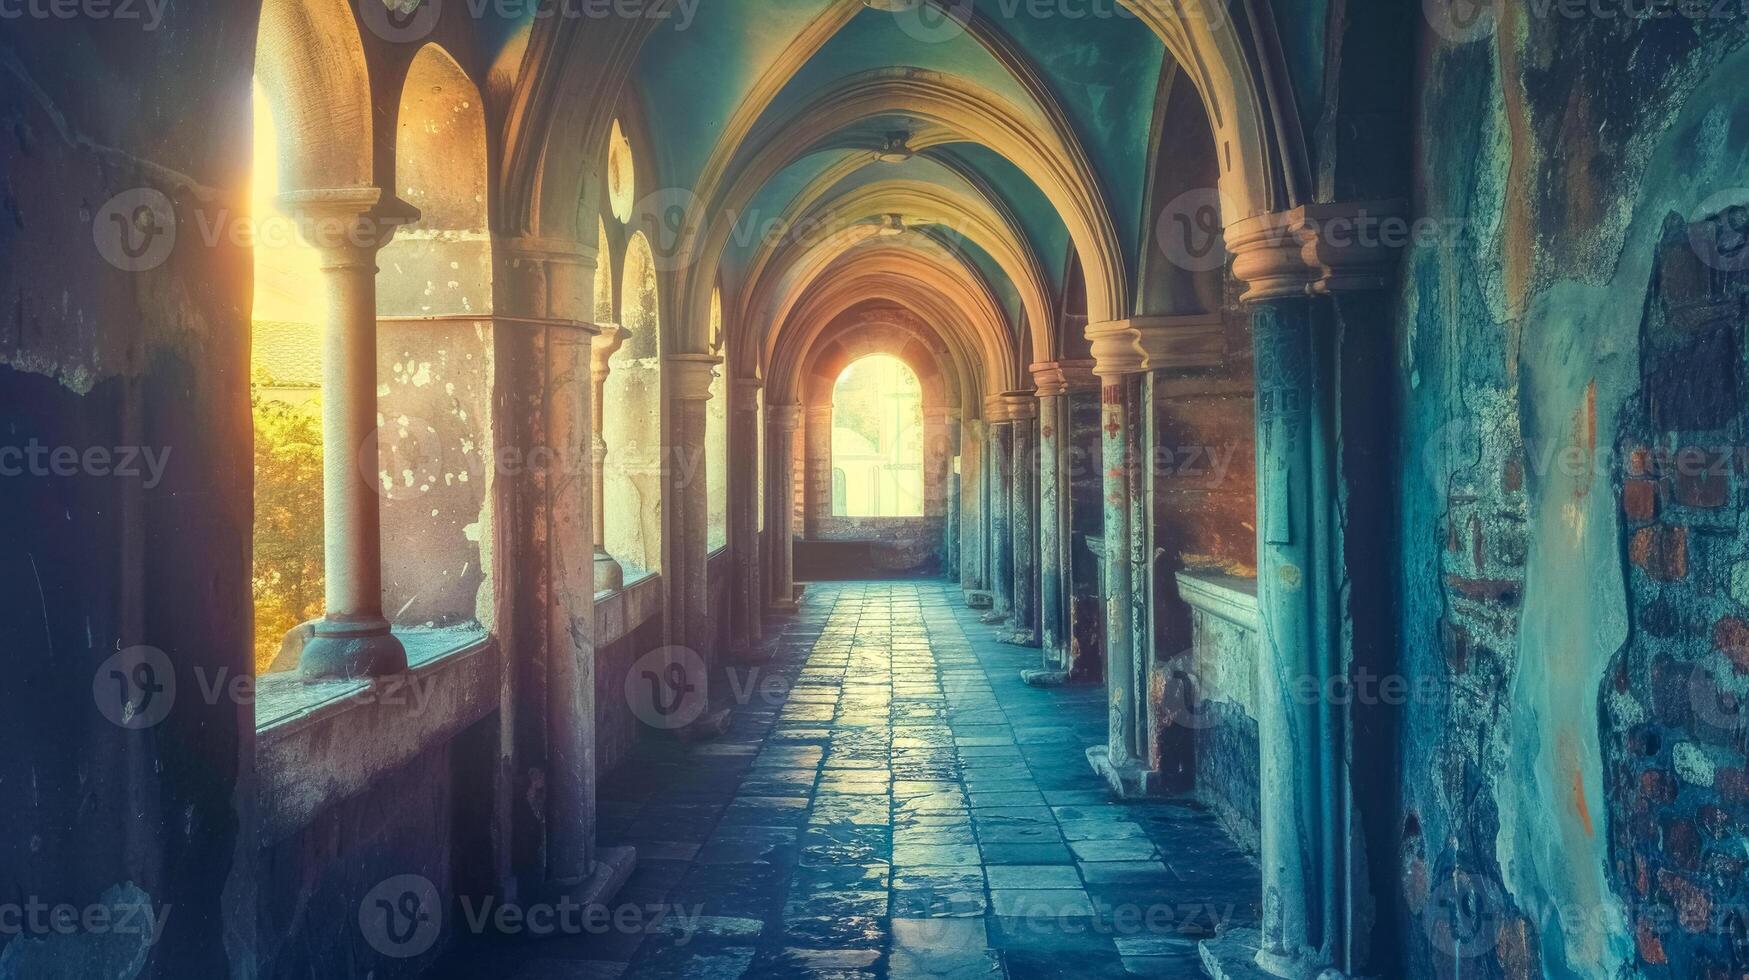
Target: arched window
[434,355]
[877,439]
[632,422]
[285,390]
[716,437]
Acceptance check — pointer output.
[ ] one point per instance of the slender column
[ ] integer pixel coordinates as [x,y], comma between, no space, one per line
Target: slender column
[689,377]
[780,431]
[609,574]
[1118,357]
[747,623]
[1023,514]
[950,493]
[816,468]
[1313,924]
[999,452]
[347,227]
[972,475]
[1055,526]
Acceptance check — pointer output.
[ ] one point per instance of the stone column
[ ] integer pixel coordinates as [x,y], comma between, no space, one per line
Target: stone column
[347,227]
[609,574]
[816,468]
[545,571]
[1313,924]
[747,604]
[689,384]
[1023,514]
[780,430]
[972,474]
[998,499]
[950,494]
[1117,359]
[1054,527]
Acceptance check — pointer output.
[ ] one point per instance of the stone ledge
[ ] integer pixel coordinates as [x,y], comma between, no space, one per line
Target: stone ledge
[311,757]
[1233,956]
[1225,597]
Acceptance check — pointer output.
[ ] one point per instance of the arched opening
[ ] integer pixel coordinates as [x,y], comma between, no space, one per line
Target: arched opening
[285,392]
[434,356]
[621,176]
[716,437]
[877,439]
[632,422]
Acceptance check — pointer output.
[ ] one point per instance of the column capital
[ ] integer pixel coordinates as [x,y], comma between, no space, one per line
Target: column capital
[543,249]
[608,340]
[1022,404]
[1062,377]
[692,375]
[1316,249]
[787,418]
[1117,348]
[995,409]
[1193,340]
[746,393]
[347,224]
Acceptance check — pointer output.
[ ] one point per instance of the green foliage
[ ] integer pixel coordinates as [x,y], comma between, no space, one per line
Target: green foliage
[287,578]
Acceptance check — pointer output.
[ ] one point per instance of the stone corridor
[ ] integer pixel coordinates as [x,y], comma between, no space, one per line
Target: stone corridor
[897,804]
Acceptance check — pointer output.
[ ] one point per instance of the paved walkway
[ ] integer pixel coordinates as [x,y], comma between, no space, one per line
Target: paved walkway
[892,801]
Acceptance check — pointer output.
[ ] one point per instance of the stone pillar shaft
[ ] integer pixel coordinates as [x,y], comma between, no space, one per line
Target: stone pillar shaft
[747,613]
[780,433]
[1023,514]
[347,228]
[972,476]
[609,574]
[1000,501]
[817,468]
[690,377]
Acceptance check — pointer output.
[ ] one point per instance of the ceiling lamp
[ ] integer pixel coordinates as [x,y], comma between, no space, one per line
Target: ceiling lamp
[892,225]
[897,149]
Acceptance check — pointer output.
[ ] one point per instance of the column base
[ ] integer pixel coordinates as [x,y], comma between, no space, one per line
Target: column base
[993,617]
[1022,638]
[613,866]
[339,650]
[1044,677]
[1238,955]
[1128,781]
[979,599]
[610,576]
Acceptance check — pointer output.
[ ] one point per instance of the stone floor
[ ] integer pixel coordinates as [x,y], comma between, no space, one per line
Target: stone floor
[891,801]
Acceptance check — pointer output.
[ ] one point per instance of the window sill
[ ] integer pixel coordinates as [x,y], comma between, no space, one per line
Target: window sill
[620,611]
[319,744]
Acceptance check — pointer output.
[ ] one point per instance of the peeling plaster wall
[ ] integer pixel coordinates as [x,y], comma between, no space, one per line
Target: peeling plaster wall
[1546,793]
[93,355]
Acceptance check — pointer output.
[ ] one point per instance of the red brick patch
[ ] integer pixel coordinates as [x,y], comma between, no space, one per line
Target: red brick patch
[1639,500]
[1650,946]
[1662,551]
[1731,637]
[1703,486]
[1694,907]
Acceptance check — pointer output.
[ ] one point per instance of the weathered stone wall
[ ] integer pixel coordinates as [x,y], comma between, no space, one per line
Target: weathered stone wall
[627,626]
[437,464]
[1214,695]
[871,547]
[1573,730]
